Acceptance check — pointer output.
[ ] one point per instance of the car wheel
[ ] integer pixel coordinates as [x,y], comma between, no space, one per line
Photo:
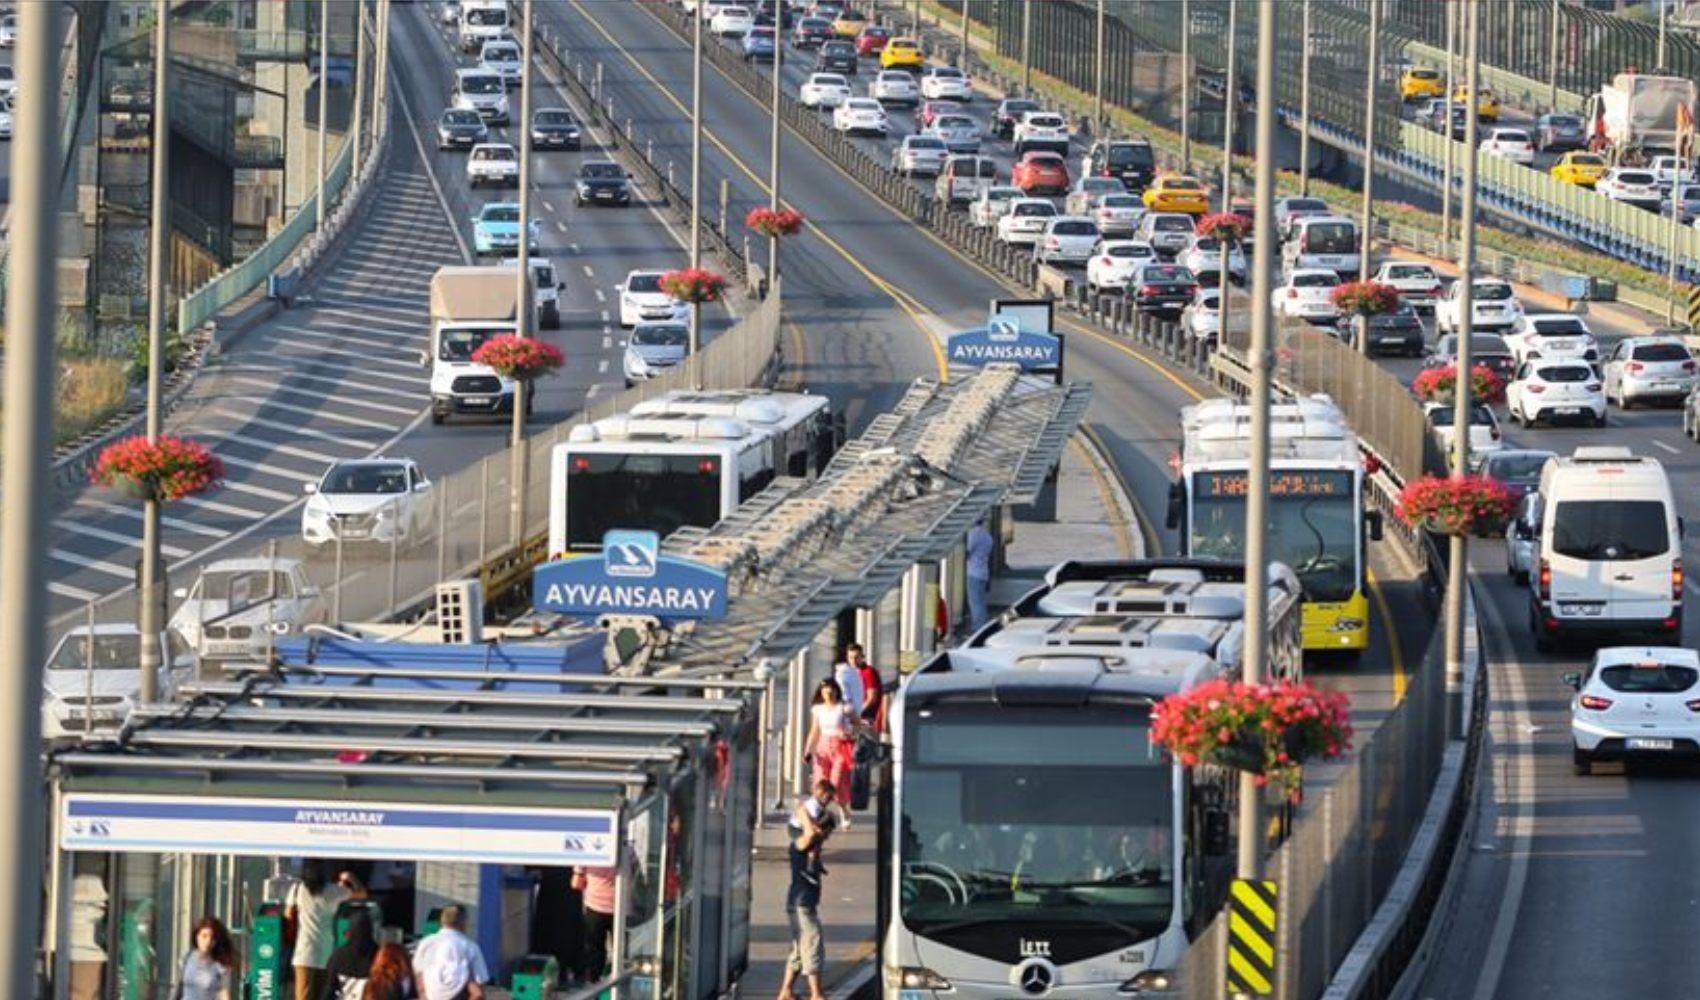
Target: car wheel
[437,417]
[1581,764]
[551,317]
[1600,419]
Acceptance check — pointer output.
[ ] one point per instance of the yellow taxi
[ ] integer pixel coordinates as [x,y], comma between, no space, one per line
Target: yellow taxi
[1417,83]
[1487,109]
[849,24]
[1580,169]
[902,53]
[1177,193]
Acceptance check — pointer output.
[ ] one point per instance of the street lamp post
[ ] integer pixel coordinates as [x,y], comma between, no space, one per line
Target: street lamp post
[358,133]
[1552,57]
[1250,860]
[1664,17]
[1371,78]
[1027,50]
[524,298]
[1098,75]
[1459,551]
[1230,93]
[1304,101]
[150,620]
[1454,15]
[1186,86]
[696,163]
[962,61]
[773,199]
[324,106]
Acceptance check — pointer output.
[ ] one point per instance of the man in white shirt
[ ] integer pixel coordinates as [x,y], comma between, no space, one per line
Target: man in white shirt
[850,681]
[448,965]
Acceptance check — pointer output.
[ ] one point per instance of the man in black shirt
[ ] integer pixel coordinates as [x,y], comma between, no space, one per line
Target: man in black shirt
[802,910]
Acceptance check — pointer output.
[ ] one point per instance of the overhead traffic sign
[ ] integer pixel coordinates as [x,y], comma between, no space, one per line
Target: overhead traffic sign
[630,576]
[1251,938]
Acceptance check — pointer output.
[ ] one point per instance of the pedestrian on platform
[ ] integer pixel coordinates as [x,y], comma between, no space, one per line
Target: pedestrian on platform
[598,886]
[979,574]
[448,965]
[312,905]
[812,822]
[206,970]
[802,898]
[351,963]
[831,742]
[392,974]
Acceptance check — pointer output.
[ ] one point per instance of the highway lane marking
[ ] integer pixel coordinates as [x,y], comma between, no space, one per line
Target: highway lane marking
[259,491]
[75,593]
[325,414]
[275,471]
[560,226]
[602,365]
[600,296]
[273,448]
[415,382]
[1666,447]
[337,335]
[549,208]
[575,247]
[308,432]
[355,290]
[129,541]
[175,523]
[588,272]
[342,400]
[903,299]
[366,315]
[605,318]
[430,175]
[223,508]
[411,366]
[98,565]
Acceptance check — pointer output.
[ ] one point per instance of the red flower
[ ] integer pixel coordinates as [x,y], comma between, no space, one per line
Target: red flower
[1436,385]
[520,358]
[1365,298]
[694,285]
[1229,227]
[770,223]
[169,468]
[1275,727]
[1457,505]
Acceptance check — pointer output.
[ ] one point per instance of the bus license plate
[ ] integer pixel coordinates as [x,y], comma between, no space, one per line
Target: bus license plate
[1635,743]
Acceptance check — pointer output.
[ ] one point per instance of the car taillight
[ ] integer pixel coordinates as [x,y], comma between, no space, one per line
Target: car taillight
[1594,702]
[1676,580]
[1634,367]
[1688,366]
[1292,293]
[1107,261]
[1593,387]
[1494,432]
[1536,389]
[1543,580]
[1150,290]
[1693,704]
[1052,242]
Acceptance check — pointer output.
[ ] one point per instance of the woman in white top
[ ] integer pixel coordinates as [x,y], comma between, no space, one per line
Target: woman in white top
[832,741]
[312,905]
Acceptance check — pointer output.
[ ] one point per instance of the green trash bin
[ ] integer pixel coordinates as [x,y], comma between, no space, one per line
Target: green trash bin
[266,977]
[534,977]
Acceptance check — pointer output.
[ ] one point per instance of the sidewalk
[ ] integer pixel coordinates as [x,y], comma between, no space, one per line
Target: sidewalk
[847,912]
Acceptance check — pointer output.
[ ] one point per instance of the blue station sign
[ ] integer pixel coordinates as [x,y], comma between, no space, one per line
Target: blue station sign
[1003,339]
[630,576]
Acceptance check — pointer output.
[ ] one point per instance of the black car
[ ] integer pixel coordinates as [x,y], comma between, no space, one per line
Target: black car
[812,32]
[769,11]
[1556,133]
[1009,113]
[836,57]
[1486,349]
[556,128]
[459,128]
[1396,332]
[602,182]
[1130,160]
[1161,289]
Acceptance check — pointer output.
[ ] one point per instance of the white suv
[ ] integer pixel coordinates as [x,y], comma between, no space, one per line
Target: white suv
[1493,307]
[1041,130]
[502,56]
[1418,284]
[385,500]
[493,163]
[643,301]
[1551,337]
[482,91]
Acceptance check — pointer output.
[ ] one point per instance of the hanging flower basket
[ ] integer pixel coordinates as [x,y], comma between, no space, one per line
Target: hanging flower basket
[1479,506]
[1228,227]
[522,359]
[1269,730]
[694,285]
[169,468]
[773,224]
[1438,385]
[1365,298]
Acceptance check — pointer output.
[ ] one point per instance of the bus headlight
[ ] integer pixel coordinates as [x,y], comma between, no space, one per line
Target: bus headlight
[1346,625]
[914,978]
[1149,981]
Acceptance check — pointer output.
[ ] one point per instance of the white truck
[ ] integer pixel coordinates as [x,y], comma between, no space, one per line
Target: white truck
[482,21]
[1639,111]
[469,305]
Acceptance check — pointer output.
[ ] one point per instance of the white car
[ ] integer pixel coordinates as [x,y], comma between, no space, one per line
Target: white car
[1650,368]
[383,500]
[643,301]
[1552,336]
[894,86]
[1202,318]
[1522,538]
[93,678]
[946,83]
[919,156]
[1667,170]
[235,604]
[8,31]
[1115,261]
[1630,185]
[1308,294]
[1041,130]
[1119,214]
[5,123]
[991,205]
[8,82]
[1203,254]
[482,91]
[1417,284]
[653,349]
[824,91]
[1168,232]
[502,56]
[860,114]
[1087,192]
[1493,307]
[1635,701]
[1025,220]
[1511,144]
[449,14]
[735,22]
[1066,239]
[493,163]
[1555,391]
[1485,435]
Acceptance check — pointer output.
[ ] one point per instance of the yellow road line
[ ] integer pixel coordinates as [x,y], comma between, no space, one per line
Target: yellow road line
[1106,493]
[1394,649]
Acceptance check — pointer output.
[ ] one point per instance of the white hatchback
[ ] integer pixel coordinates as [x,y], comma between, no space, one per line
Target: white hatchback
[946,83]
[1066,239]
[992,204]
[1119,214]
[493,163]
[893,86]
[1203,255]
[1632,186]
[1635,701]
[1650,368]
[1025,220]
[1554,391]
[1115,261]
[642,300]
[1485,435]
[860,114]
[823,90]
[1511,144]
[1552,336]
[1417,283]
[735,22]
[502,56]
[1308,294]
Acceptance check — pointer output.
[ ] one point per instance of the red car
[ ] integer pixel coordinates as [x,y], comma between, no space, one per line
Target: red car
[932,109]
[1040,174]
[872,40]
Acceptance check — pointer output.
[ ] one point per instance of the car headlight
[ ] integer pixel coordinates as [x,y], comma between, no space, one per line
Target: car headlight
[918,978]
[637,365]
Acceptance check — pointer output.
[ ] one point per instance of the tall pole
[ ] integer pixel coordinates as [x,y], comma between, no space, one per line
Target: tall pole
[1454,15]
[1186,85]
[1230,93]
[324,105]
[1026,50]
[381,79]
[696,161]
[1459,553]
[1664,15]
[358,133]
[1371,78]
[962,62]
[150,619]
[524,299]
[1552,58]
[1684,173]
[1262,370]
[773,198]
[1098,75]
[28,429]
[1304,102]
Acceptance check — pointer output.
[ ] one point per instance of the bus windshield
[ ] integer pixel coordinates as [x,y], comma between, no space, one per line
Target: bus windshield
[659,493]
[1041,819]
[1313,525]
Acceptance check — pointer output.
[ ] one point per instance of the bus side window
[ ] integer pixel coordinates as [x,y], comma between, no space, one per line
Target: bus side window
[797,451]
[755,470]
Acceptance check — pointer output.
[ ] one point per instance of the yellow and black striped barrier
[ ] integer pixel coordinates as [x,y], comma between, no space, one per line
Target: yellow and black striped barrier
[1251,938]
[1694,308]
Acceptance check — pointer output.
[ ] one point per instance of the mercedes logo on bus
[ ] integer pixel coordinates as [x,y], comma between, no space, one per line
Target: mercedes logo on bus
[1035,977]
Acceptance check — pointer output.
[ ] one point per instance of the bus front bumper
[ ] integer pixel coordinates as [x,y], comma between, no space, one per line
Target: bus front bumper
[1337,626]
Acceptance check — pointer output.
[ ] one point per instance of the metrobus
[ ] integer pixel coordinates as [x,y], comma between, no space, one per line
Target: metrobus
[1031,835]
[683,459]
[1318,524]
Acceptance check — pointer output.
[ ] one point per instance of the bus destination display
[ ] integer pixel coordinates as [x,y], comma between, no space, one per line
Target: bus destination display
[1282,483]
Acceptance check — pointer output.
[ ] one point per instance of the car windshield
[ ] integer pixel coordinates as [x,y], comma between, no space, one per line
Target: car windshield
[947,72]
[896,76]
[106,652]
[494,153]
[1107,184]
[1171,224]
[1587,160]
[1167,272]
[462,117]
[458,345]
[1130,154]
[1558,327]
[1132,251]
[1120,201]
[1564,373]
[1306,205]
[1480,416]
[1424,74]
[1182,184]
[660,335]
[1330,237]
[1313,526]
[487,17]
[1516,467]
[242,587]
[923,142]
[1511,135]
[603,171]
[838,49]
[1634,177]
[1661,352]
[1074,227]
[953,122]
[863,104]
[1410,272]
[1564,122]
[365,478]
[644,282]
[814,24]
[1648,678]
[499,213]
[481,83]
[1034,208]
[1610,529]
[824,80]
[501,53]
[553,118]
[1315,281]
[1491,291]
[1206,244]
[1044,121]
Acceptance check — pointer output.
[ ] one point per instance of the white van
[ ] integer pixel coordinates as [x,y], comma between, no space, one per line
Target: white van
[1610,556]
[964,177]
[1325,242]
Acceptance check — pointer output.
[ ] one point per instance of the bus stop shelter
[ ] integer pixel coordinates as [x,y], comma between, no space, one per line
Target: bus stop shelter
[490,786]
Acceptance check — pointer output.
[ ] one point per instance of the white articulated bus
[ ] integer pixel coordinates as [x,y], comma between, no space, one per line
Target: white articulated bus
[1034,842]
[682,459]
